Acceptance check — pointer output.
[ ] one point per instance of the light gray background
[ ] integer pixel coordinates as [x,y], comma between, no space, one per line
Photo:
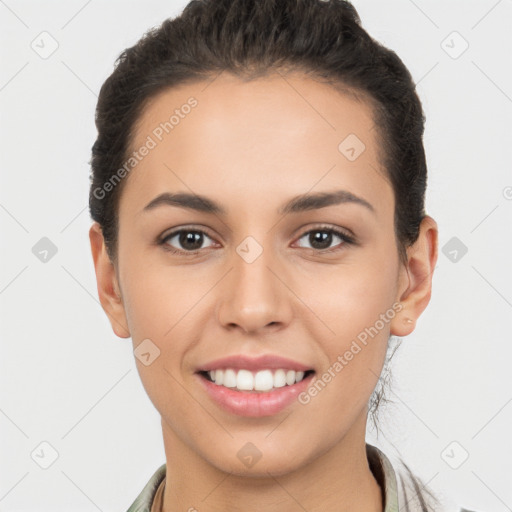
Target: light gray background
[68,380]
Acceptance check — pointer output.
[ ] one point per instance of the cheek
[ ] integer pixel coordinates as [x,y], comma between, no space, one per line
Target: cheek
[353,355]
[351,297]
[159,307]
[158,298]
[356,304]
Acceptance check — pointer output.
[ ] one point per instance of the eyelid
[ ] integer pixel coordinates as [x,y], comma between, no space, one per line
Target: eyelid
[348,233]
[175,231]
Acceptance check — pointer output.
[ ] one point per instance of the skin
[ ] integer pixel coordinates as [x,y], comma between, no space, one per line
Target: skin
[252,146]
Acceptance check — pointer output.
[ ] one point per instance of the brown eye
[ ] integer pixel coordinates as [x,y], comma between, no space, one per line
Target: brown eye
[320,239]
[188,240]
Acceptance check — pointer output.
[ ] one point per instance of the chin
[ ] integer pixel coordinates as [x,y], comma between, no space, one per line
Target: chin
[261,469]
[249,461]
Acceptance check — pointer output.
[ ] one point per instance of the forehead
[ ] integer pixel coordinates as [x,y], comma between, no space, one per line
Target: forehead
[268,134]
[227,104]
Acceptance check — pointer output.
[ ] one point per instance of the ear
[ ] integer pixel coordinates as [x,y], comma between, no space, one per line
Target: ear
[107,283]
[416,283]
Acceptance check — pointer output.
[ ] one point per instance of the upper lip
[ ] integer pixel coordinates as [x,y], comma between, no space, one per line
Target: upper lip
[263,362]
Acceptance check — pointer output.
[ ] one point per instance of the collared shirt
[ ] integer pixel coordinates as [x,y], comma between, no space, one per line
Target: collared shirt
[402,490]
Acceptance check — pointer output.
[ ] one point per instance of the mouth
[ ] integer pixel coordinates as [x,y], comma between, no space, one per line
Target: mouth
[262,381]
[255,386]
[260,393]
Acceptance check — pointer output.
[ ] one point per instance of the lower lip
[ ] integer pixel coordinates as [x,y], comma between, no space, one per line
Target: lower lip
[254,404]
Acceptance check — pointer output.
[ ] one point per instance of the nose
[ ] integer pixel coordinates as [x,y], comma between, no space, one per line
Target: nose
[254,296]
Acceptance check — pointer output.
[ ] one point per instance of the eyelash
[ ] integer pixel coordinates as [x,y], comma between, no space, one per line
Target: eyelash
[347,240]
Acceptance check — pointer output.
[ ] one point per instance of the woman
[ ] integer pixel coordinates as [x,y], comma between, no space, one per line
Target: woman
[258,187]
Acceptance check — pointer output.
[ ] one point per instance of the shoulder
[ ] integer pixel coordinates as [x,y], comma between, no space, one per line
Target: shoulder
[416,495]
[407,492]
[145,499]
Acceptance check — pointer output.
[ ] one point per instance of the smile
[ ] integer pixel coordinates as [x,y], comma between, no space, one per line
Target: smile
[260,381]
[251,401]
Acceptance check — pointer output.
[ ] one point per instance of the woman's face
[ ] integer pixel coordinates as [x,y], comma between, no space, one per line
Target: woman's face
[267,277]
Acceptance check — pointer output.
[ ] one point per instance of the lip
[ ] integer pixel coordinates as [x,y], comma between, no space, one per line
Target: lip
[252,403]
[263,362]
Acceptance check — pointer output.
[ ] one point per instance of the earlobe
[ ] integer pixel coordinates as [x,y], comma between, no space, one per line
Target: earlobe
[422,259]
[108,287]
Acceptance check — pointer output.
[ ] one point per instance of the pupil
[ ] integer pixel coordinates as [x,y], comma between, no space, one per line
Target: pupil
[189,238]
[323,237]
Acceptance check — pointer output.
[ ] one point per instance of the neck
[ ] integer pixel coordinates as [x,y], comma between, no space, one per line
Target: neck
[339,480]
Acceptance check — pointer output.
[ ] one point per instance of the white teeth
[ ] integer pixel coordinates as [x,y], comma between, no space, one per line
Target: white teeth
[229,379]
[264,380]
[244,380]
[279,379]
[219,377]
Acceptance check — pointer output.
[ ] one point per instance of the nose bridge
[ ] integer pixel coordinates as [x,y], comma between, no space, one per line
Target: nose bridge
[254,297]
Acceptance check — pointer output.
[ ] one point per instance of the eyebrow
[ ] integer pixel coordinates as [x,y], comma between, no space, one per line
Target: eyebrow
[297,204]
